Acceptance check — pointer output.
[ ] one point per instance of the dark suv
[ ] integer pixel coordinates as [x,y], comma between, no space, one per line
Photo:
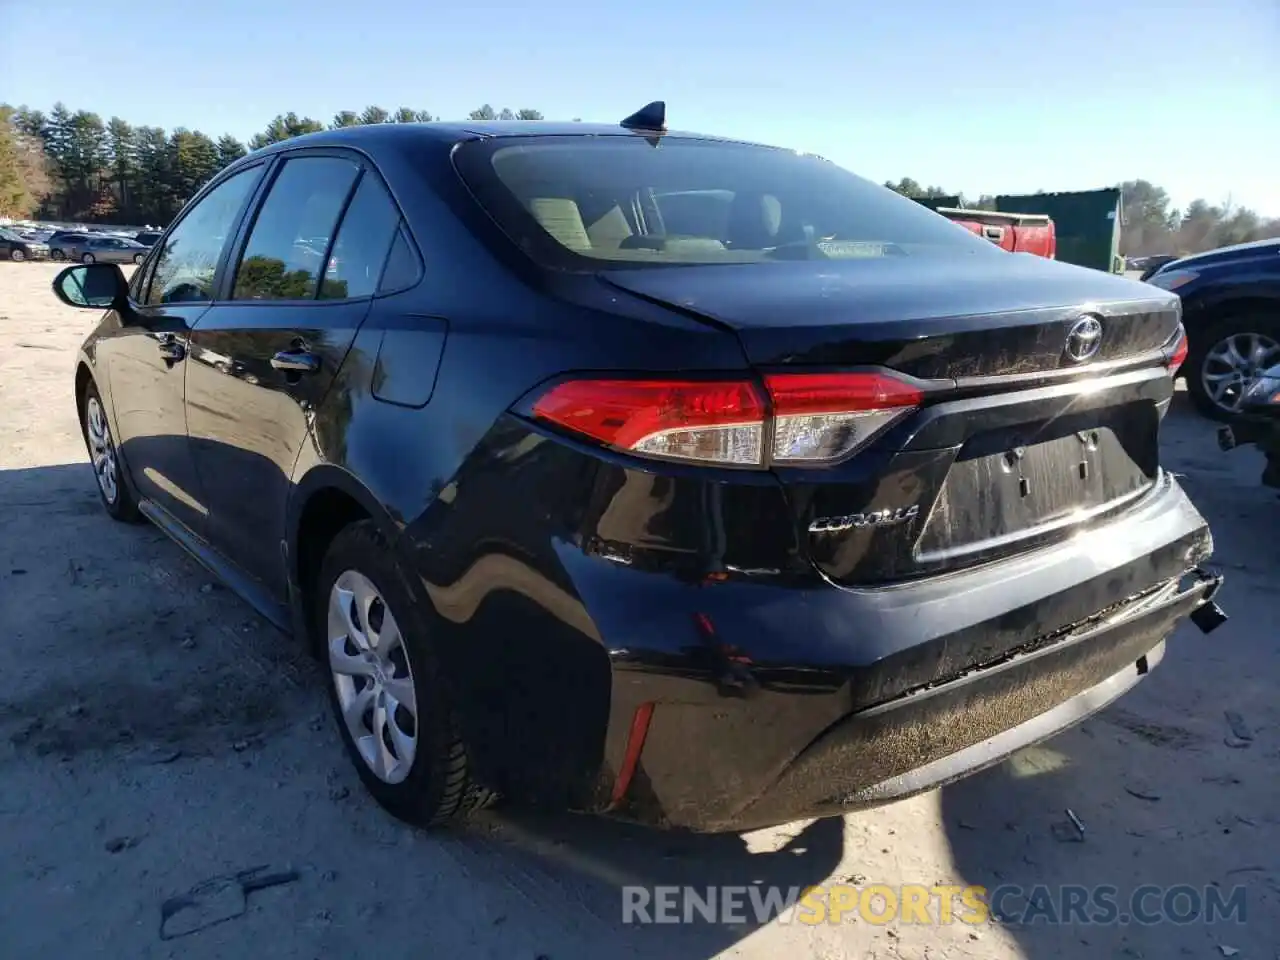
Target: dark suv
[1231,308]
[695,481]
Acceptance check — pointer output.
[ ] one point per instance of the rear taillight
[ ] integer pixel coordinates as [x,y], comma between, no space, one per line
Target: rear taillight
[1177,353]
[810,417]
[711,421]
[825,416]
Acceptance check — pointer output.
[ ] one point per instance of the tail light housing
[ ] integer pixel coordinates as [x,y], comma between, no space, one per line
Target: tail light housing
[799,418]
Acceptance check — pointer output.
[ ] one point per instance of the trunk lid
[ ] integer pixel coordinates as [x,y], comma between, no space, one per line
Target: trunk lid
[1016,444]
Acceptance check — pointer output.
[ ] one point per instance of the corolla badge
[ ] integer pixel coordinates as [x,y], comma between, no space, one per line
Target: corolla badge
[872,518]
[1083,339]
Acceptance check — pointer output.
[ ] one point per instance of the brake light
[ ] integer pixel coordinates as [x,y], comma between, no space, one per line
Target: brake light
[1178,355]
[711,421]
[815,417]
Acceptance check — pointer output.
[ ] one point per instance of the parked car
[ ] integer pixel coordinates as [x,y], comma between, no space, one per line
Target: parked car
[147,238]
[14,246]
[813,504]
[65,244]
[1151,264]
[1231,308]
[90,248]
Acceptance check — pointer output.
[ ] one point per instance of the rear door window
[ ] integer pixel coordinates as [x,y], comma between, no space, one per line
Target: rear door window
[286,254]
[362,243]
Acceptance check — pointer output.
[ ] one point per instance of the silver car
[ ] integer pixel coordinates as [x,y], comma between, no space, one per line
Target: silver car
[99,249]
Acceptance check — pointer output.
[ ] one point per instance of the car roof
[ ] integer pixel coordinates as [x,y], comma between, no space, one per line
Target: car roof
[1225,253]
[447,133]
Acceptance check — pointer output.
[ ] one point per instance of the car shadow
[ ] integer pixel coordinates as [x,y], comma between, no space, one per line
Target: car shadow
[53,527]
[612,862]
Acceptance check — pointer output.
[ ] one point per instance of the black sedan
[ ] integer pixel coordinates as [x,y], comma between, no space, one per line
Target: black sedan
[698,482]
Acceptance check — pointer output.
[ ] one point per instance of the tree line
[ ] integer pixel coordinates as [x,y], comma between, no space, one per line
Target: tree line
[75,166]
[1151,224]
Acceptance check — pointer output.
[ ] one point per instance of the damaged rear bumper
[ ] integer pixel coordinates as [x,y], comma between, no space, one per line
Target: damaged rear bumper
[852,698]
[925,740]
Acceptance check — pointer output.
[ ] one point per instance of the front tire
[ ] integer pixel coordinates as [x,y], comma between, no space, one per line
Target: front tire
[17,256]
[87,258]
[57,255]
[117,499]
[138,258]
[391,706]
[1225,356]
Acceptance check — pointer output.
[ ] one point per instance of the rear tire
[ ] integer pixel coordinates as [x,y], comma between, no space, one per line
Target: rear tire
[87,258]
[57,255]
[138,257]
[1205,367]
[411,758]
[117,499]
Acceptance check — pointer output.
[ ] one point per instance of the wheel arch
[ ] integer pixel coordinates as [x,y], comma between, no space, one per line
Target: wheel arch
[84,376]
[326,500]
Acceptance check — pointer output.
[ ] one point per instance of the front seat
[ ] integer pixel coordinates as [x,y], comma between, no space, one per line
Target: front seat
[754,221]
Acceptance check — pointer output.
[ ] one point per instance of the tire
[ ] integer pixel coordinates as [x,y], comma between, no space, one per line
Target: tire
[87,258]
[435,786]
[57,255]
[117,499]
[17,256]
[139,257]
[1206,347]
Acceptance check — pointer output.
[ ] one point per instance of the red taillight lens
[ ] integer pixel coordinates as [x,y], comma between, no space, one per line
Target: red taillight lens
[712,421]
[816,418]
[825,416]
[1178,356]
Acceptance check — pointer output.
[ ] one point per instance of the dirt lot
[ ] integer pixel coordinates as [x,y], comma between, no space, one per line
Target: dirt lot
[154,734]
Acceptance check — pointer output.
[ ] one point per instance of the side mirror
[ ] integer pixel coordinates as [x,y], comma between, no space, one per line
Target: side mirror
[95,286]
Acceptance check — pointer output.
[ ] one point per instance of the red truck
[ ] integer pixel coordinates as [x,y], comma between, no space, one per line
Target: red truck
[1015,232]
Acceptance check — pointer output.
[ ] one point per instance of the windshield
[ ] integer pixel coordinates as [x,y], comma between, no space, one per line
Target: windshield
[571,202]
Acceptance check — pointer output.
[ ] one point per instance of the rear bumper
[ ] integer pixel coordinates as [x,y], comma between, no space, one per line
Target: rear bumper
[736,706]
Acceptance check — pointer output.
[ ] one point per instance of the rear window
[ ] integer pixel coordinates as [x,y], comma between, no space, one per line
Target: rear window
[572,202]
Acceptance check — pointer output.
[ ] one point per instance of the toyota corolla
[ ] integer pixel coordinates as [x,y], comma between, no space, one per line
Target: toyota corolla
[694,481]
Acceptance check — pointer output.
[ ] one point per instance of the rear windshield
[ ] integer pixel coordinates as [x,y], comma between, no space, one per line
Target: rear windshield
[572,202]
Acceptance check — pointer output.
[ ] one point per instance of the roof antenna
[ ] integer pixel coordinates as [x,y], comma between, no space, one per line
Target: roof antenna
[652,116]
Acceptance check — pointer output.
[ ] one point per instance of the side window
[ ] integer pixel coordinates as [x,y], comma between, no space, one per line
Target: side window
[184,270]
[402,269]
[362,243]
[284,258]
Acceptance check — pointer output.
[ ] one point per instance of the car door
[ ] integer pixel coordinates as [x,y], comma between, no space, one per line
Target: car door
[146,357]
[266,353]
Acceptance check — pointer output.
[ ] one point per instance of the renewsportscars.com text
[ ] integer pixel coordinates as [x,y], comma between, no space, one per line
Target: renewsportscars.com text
[934,904]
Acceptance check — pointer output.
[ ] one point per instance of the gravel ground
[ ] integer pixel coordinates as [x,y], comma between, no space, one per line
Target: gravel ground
[156,734]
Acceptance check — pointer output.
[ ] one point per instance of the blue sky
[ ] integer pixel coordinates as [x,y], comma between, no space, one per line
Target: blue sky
[982,96]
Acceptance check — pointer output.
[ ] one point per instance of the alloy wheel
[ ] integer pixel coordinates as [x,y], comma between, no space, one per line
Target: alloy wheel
[17,256]
[102,450]
[1233,363]
[372,677]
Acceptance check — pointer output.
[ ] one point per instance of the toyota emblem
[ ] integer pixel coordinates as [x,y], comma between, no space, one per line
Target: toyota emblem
[1083,339]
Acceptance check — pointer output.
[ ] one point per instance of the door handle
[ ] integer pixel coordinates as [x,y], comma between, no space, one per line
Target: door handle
[295,361]
[171,350]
